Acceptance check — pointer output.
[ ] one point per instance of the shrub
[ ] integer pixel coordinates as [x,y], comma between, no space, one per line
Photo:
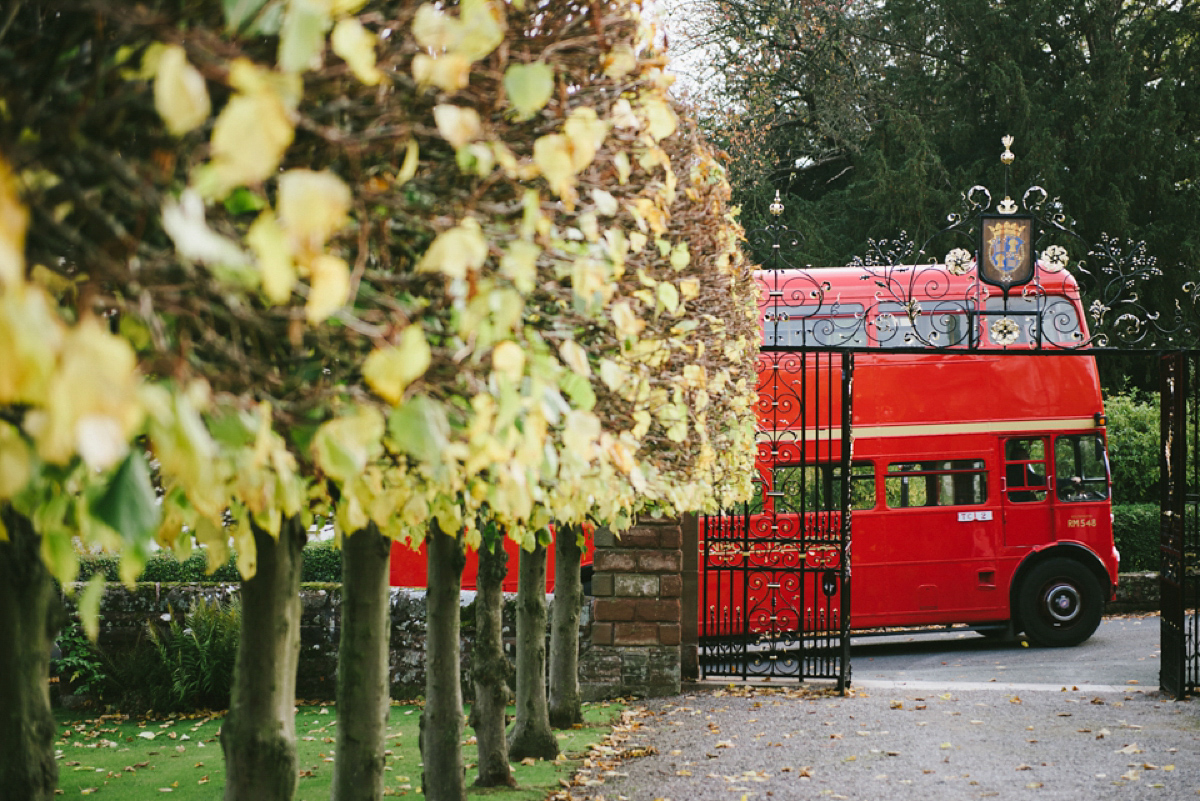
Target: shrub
[79,665]
[322,562]
[197,658]
[1136,531]
[1133,446]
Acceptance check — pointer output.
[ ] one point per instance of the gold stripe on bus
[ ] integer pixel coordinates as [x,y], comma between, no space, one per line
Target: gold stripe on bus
[784,435]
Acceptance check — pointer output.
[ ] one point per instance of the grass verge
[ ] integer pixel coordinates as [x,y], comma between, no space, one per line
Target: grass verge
[116,756]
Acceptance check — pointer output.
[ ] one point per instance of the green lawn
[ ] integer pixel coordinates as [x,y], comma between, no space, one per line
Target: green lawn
[117,756]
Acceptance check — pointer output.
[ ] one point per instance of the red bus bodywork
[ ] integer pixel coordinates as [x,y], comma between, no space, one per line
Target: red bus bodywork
[945,530]
[408,569]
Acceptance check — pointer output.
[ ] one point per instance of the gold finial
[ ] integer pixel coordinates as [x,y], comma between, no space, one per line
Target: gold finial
[776,208]
[1007,156]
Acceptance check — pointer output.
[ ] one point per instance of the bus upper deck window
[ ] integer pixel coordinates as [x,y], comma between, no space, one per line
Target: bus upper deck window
[1080,468]
[830,325]
[943,323]
[1025,470]
[1039,318]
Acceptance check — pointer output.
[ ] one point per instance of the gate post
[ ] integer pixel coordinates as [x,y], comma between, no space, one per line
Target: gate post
[636,633]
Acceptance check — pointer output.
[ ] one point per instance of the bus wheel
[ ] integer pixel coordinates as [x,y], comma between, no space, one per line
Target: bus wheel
[1060,603]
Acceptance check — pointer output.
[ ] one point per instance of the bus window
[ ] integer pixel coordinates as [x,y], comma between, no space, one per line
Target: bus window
[818,488]
[1055,317]
[1025,470]
[832,325]
[953,482]
[1081,468]
[939,323]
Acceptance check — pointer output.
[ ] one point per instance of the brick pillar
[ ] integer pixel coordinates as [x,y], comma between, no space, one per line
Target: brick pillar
[635,644]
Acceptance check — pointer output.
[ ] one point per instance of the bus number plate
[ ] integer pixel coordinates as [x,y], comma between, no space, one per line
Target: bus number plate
[971,517]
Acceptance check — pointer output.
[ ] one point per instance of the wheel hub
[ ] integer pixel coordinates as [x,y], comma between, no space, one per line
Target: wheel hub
[1063,603]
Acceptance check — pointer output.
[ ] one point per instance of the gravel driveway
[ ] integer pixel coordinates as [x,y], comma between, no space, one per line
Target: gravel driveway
[1005,742]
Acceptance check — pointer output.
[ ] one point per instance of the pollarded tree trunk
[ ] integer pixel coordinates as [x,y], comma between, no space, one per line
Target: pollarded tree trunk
[30,616]
[490,669]
[531,735]
[259,734]
[442,720]
[566,705]
[363,700]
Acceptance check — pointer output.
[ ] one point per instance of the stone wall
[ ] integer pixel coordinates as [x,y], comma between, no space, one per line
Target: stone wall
[126,613]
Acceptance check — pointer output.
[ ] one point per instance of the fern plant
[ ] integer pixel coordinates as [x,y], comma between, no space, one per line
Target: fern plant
[197,656]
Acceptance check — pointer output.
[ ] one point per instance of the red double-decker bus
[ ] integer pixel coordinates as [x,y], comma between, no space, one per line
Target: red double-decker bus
[978,480]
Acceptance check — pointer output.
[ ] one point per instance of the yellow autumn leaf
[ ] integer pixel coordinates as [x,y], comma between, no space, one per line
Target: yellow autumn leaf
[624,168]
[408,169]
[575,357]
[16,461]
[552,156]
[689,288]
[581,431]
[274,256]
[695,376]
[433,28]
[389,371]
[356,46]
[529,87]
[660,119]
[92,405]
[620,61]
[249,139]
[481,28]
[180,94]
[14,220]
[585,132]
[344,446]
[519,264]
[249,78]
[31,336]
[457,251]
[329,288]
[668,296]
[447,71]
[508,360]
[457,125]
[606,204]
[612,374]
[627,323]
[312,206]
[681,257]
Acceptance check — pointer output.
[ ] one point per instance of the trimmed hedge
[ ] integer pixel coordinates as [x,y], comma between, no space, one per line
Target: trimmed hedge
[322,562]
[1136,529]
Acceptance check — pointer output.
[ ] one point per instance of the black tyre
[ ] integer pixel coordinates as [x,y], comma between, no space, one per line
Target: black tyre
[1060,603]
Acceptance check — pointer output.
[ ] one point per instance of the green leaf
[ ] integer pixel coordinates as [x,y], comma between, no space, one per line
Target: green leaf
[128,504]
[243,201]
[303,35]
[238,12]
[419,428]
[529,87]
[89,605]
[579,389]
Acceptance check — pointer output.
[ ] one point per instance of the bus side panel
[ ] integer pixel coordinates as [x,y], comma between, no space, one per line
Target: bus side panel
[408,568]
[919,566]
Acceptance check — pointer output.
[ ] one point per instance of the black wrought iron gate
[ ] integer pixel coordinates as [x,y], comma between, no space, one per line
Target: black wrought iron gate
[775,573]
[1179,578]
